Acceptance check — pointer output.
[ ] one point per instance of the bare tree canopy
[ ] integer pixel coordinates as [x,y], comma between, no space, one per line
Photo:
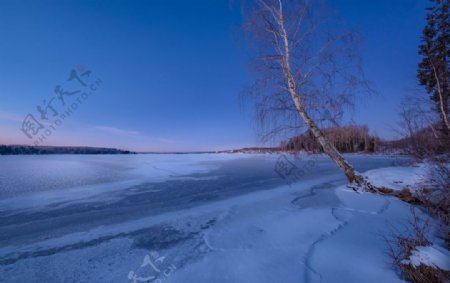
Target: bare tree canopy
[305,66]
[323,62]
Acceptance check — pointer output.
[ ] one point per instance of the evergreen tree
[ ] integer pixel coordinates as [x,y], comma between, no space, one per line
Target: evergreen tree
[433,71]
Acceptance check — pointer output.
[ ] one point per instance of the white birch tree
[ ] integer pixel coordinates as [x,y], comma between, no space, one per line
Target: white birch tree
[301,64]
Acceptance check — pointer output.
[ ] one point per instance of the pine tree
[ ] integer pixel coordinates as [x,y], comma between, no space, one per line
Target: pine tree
[433,71]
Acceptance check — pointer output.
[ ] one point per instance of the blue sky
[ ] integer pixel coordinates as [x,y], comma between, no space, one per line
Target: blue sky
[172,70]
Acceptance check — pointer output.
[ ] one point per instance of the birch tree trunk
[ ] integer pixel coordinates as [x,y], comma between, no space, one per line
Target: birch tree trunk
[443,106]
[328,147]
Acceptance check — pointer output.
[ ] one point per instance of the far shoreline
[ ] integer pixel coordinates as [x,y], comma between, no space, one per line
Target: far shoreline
[87,150]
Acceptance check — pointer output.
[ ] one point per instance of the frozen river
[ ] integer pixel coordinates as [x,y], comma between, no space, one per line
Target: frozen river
[177,218]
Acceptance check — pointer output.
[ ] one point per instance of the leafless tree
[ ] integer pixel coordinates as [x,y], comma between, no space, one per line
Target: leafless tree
[305,68]
[416,114]
[419,129]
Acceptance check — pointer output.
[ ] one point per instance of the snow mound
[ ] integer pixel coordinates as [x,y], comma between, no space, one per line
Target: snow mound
[397,178]
[433,256]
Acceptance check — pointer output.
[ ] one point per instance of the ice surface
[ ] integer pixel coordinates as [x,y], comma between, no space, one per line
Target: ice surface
[198,218]
[36,181]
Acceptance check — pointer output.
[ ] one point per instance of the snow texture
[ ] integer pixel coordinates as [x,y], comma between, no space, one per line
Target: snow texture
[433,256]
[194,218]
[398,178]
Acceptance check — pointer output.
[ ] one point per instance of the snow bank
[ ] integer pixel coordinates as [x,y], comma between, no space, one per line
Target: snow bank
[433,256]
[397,178]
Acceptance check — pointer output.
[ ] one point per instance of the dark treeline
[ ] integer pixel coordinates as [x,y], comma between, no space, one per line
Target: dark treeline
[25,149]
[420,143]
[346,140]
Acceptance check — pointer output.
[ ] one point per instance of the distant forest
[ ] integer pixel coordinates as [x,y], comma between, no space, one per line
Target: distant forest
[346,140]
[357,139]
[25,149]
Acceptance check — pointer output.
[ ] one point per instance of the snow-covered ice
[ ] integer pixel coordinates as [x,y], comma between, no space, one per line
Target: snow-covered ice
[194,218]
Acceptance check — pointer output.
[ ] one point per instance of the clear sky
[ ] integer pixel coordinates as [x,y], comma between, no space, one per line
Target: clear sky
[171,70]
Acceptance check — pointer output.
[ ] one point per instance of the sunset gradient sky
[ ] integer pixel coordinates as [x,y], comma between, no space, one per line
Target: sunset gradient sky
[172,70]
